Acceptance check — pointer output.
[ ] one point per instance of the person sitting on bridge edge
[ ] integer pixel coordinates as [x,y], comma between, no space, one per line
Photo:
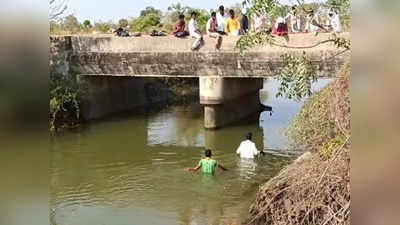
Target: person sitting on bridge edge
[207,164]
[179,27]
[212,30]
[247,149]
[232,25]
[195,32]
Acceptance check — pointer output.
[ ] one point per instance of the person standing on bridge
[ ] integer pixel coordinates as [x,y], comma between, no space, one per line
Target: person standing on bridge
[221,20]
[247,149]
[207,165]
[195,32]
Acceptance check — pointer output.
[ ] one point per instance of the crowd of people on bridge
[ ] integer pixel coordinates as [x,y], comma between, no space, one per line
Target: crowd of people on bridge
[221,23]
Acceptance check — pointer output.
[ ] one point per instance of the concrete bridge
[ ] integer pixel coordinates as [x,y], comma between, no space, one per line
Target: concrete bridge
[109,64]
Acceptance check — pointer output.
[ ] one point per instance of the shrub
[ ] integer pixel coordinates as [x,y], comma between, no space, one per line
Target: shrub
[103,27]
[86,24]
[71,24]
[123,23]
[147,22]
[324,117]
[65,98]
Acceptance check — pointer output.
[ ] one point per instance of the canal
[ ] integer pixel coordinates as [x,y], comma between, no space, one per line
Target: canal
[132,169]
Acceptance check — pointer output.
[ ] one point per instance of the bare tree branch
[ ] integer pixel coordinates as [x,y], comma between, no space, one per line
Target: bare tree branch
[57,8]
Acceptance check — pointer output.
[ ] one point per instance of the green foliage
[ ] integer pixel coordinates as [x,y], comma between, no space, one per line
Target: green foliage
[71,24]
[346,22]
[147,22]
[297,74]
[103,27]
[262,6]
[54,26]
[341,7]
[86,24]
[175,10]
[341,42]
[296,77]
[331,146]
[250,40]
[150,10]
[65,98]
[123,23]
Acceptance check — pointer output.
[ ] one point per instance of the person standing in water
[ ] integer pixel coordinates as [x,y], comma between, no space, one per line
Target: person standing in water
[247,149]
[207,165]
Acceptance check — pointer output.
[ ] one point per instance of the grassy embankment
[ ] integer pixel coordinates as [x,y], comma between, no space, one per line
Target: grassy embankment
[315,191]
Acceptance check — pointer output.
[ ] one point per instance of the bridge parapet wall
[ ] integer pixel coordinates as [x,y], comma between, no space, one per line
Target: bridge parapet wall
[170,56]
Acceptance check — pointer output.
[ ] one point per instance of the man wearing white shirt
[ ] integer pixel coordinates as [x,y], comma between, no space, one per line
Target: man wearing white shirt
[194,31]
[334,22]
[247,149]
[221,20]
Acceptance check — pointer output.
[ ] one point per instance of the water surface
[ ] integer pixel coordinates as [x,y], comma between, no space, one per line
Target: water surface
[132,169]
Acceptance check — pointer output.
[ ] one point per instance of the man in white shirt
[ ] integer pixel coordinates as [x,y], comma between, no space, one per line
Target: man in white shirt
[221,20]
[334,22]
[294,20]
[247,149]
[195,32]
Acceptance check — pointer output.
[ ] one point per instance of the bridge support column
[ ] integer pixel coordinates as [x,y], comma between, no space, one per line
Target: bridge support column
[227,100]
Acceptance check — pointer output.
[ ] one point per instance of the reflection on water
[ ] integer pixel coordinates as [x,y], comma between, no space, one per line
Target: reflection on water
[131,170]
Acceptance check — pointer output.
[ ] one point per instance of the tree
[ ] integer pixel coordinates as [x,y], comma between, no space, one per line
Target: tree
[123,23]
[104,27]
[86,24]
[70,23]
[174,11]
[150,10]
[57,8]
[297,74]
[149,21]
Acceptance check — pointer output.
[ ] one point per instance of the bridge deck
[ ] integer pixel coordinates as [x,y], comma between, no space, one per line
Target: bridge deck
[169,56]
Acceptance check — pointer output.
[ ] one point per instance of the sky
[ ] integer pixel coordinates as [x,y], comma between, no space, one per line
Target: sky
[105,10]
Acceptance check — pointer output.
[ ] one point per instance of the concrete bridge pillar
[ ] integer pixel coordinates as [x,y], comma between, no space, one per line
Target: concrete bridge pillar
[227,100]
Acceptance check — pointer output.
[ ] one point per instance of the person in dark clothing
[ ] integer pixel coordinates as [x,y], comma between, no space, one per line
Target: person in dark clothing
[179,27]
[120,32]
[244,22]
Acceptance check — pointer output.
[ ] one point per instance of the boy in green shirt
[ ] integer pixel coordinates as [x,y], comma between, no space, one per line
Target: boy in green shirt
[207,164]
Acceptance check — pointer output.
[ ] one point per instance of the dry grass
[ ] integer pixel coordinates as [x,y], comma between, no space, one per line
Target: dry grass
[314,192]
[325,116]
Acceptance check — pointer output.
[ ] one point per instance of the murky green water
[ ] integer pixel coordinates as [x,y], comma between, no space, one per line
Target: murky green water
[132,169]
